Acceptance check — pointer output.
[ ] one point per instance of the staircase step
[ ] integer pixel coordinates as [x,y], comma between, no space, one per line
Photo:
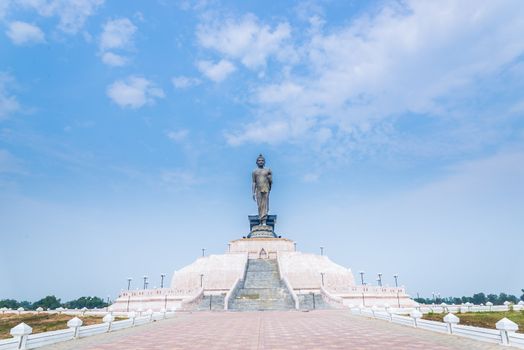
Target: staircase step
[261,289]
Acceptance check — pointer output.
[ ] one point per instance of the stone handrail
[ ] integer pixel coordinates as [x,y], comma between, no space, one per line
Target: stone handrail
[230,292]
[331,299]
[288,285]
[292,292]
[23,337]
[504,334]
[236,283]
[193,299]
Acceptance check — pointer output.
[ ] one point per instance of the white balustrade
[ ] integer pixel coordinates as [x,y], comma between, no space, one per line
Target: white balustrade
[505,334]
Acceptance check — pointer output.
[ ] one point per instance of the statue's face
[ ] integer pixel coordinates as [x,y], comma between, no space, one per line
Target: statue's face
[261,162]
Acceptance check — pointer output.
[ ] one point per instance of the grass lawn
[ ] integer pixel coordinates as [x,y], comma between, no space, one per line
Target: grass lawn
[483,319]
[41,322]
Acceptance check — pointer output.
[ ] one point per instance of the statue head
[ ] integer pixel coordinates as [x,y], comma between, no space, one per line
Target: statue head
[261,161]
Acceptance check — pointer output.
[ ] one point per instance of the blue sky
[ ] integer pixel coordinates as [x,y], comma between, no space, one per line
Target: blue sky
[128,131]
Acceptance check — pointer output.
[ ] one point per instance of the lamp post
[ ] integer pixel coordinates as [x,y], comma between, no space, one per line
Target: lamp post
[396,280]
[322,251]
[201,280]
[203,251]
[361,277]
[162,280]
[145,282]
[433,293]
[129,279]
[322,276]
[379,279]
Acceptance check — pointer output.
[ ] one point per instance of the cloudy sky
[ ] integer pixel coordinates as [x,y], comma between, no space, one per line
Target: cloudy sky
[128,131]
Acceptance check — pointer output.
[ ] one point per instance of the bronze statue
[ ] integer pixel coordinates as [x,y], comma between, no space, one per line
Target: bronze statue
[262,180]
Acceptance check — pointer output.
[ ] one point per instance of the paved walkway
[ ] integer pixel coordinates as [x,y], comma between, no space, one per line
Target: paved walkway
[321,329]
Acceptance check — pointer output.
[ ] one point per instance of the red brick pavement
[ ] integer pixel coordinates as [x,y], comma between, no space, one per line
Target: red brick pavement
[322,329]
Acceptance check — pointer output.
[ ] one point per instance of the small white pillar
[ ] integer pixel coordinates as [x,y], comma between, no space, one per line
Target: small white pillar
[444,307]
[149,312]
[21,332]
[374,308]
[489,304]
[163,312]
[132,316]
[451,320]
[415,315]
[84,309]
[108,319]
[506,327]
[75,323]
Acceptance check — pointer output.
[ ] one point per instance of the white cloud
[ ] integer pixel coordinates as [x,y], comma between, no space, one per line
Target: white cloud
[22,33]
[258,132]
[244,39]
[216,72]
[416,57]
[117,34]
[72,14]
[8,102]
[134,92]
[178,180]
[112,59]
[183,82]
[178,135]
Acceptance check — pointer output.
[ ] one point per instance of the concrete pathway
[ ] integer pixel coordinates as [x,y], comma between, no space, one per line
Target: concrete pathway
[321,329]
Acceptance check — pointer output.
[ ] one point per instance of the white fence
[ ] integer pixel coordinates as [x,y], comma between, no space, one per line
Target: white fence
[23,339]
[467,307]
[504,334]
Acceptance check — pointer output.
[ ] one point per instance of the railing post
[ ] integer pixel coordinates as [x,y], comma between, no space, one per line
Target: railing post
[451,320]
[21,332]
[75,323]
[108,319]
[506,327]
[415,315]
[132,316]
[150,313]
[490,305]
[373,309]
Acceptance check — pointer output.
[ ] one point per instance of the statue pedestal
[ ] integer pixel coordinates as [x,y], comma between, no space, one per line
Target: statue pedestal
[262,231]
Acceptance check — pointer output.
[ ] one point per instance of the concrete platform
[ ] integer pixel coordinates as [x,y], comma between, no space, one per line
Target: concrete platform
[322,329]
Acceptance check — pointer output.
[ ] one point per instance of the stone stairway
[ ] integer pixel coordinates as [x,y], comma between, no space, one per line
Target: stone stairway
[211,303]
[261,289]
[312,301]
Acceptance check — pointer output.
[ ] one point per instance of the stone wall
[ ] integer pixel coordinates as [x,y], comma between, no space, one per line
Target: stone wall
[304,271]
[219,272]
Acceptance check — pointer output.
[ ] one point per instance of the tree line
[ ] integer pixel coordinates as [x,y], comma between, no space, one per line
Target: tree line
[51,302]
[478,298]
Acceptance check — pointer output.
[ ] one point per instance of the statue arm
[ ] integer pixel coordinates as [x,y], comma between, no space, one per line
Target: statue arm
[253,186]
[270,178]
